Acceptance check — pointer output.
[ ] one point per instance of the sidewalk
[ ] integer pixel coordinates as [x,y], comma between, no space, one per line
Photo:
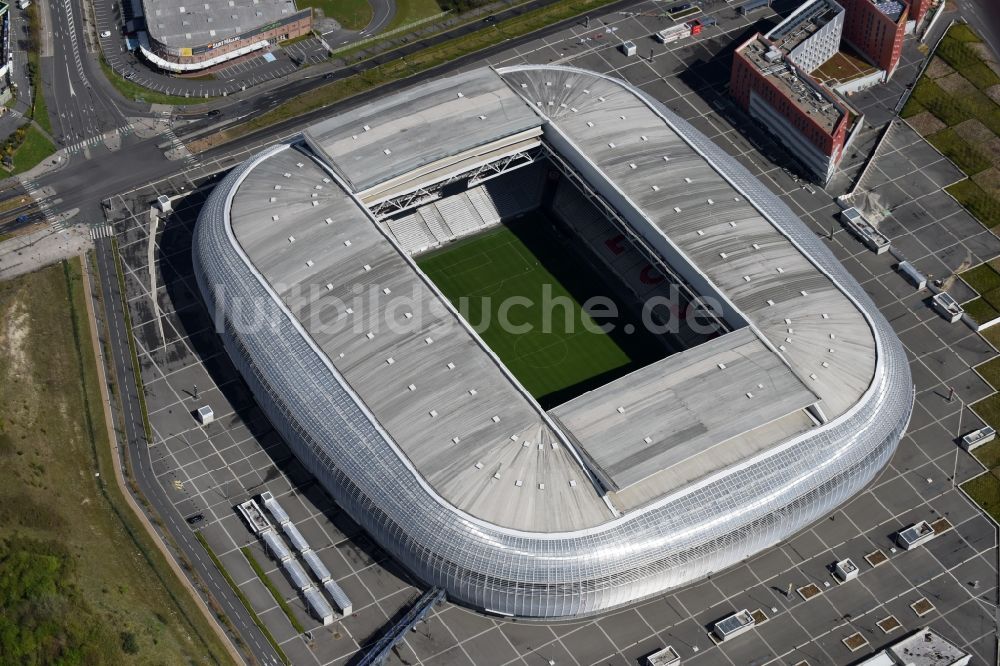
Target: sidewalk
[19,63]
[120,479]
[27,253]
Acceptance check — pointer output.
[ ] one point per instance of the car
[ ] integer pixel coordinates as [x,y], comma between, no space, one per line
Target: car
[214,113]
[490,19]
[105,34]
[329,75]
[195,519]
[679,8]
[21,219]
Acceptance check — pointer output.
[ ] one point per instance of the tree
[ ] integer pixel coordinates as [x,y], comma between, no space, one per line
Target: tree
[129,643]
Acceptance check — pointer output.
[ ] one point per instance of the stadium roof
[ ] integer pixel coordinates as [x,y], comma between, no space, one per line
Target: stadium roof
[682,523]
[666,420]
[463,421]
[426,378]
[191,23]
[819,332]
[439,119]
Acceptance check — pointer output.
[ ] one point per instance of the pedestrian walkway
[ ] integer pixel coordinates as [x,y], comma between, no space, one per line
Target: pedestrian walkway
[178,150]
[40,197]
[123,130]
[102,231]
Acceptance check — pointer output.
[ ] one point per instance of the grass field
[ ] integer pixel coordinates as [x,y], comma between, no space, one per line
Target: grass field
[351,14]
[955,107]
[36,147]
[985,488]
[526,259]
[80,583]
[986,280]
[408,11]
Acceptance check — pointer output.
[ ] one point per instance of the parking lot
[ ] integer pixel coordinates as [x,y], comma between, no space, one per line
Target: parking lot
[244,73]
[209,470]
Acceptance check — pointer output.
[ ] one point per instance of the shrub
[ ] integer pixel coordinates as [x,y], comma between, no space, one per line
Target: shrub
[129,643]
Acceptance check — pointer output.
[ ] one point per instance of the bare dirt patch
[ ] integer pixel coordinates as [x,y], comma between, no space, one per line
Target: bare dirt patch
[809,591]
[888,624]
[989,180]
[926,123]
[941,525]
[983,52]
[956,84]
[981,136]
[993,92]
[855,642]
[15,334]
[876,558]
[938,68]
[922,607]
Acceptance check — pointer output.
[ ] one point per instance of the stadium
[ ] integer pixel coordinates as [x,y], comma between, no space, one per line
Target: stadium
[746,386]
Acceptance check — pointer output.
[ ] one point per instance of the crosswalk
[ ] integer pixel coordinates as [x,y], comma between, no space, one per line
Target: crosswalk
[178,145]
[102,231]
[38,195]
[123,130]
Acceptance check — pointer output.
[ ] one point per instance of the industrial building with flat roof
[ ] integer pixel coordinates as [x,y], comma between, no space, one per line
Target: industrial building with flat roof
[180,36]
[792,403]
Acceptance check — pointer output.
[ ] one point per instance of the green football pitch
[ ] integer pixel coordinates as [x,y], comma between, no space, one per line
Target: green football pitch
[555,356]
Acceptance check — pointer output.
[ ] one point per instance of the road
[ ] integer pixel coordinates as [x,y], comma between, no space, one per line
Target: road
[984,17]
[78,110]
[84,183]
[263,102]
[383,11]
[137,451]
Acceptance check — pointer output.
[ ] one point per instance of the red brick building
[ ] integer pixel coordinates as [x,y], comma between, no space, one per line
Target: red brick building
[876,29]
[918,8]
[809,121]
